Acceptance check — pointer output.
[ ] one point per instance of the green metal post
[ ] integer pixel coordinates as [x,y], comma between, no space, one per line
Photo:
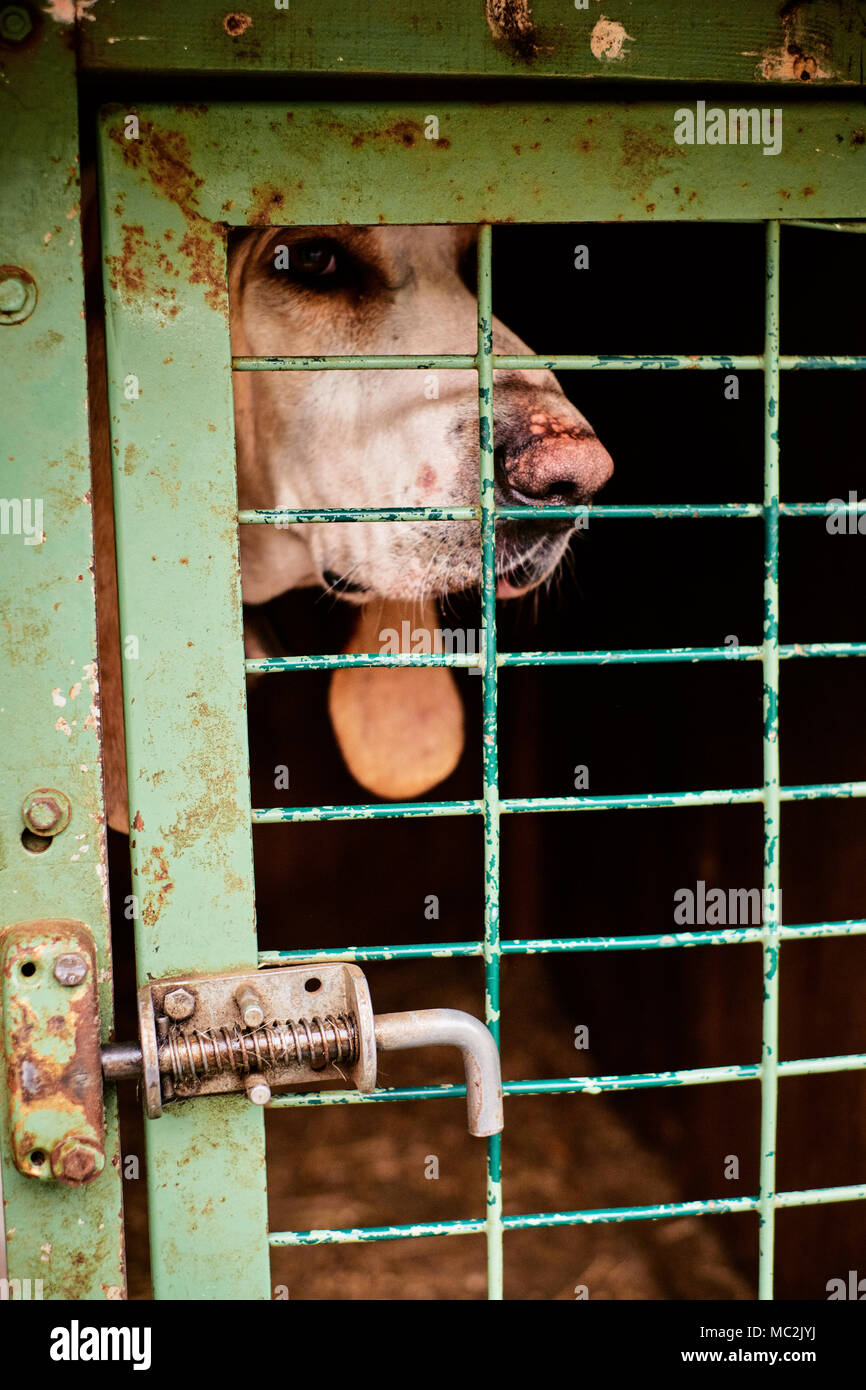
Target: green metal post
[175,491]
[772,813]
[490,765]
[66,1241]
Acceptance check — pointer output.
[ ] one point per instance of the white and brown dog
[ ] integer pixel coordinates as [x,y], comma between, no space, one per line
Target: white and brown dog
[371,438]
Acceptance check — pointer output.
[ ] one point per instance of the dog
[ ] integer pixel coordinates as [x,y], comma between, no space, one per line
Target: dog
[389,439]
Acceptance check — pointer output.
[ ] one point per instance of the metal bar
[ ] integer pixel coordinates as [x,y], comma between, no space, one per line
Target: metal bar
[489,731]
[272,665]
[555,362]
[640,511]
[66,1242]
[185,713]
[547,945]
[529,946]
[771,798]
[518,805]
[850,226]
[578,1085]
[817,1196]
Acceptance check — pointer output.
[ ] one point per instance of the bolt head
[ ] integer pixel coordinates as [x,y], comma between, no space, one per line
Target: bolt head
[179,1004]
[70,969]
[46,811]
[17,286]
[254,1016]
[76,1160]
[15,23]
[257,1089]
[13,295]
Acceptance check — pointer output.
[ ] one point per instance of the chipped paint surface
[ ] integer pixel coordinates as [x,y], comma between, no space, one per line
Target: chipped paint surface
[802,53]
[608,39]
[184,712]
[51,1035]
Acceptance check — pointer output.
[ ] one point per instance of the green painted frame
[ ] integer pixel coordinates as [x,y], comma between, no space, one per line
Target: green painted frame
[198,168]
[759,42]
[67,1242]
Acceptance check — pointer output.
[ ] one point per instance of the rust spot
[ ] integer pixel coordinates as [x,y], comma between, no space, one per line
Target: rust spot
[510,21]
[138,823]
[37,1079]
[236,23]
[164,156]
[204,268]
[127,272]
[858,137]
[265,203]
[804,51]
[808,192]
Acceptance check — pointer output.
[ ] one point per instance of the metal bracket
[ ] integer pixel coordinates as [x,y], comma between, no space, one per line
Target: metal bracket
[51,1050]
[207,1035]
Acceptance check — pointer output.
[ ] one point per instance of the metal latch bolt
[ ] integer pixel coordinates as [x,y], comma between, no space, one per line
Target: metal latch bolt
[198,1035]
[256,1030]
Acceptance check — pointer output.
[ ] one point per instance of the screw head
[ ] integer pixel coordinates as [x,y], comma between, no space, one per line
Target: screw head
[70,969]
[17,287]
[257,1089]
[15,23]
[46,811]
[179,1003]
[76,1160]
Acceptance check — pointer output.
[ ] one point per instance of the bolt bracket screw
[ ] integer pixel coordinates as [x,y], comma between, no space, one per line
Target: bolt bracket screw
[16,23]
[70,969]
[17,287]
[46,811]
[179,1004]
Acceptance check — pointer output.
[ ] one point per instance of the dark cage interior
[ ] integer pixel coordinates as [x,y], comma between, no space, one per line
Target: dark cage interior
[675,436]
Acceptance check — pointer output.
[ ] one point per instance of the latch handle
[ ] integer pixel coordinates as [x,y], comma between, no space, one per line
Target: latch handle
[453,1028]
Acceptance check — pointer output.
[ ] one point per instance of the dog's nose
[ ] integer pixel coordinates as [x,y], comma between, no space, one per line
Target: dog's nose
[550,459]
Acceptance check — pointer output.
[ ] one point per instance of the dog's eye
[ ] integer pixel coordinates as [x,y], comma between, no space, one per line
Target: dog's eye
[315,259]
[317,265]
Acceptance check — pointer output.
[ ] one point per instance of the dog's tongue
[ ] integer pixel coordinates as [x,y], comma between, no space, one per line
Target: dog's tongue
[400,729]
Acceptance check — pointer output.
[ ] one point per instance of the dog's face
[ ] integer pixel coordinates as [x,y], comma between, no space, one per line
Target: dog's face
[389,438]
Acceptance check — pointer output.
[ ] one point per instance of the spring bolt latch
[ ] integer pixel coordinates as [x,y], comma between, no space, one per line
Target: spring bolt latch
[253,1032]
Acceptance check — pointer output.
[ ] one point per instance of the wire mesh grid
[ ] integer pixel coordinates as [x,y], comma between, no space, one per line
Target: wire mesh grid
[490,806]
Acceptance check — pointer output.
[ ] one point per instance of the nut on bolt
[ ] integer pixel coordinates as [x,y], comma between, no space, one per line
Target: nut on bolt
[18,293]
[16,23]
[70,969]
[46,811]
[179,1004]
[76,1160]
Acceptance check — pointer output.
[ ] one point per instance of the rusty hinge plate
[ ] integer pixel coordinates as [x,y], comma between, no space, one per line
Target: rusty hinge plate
[51,1050]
